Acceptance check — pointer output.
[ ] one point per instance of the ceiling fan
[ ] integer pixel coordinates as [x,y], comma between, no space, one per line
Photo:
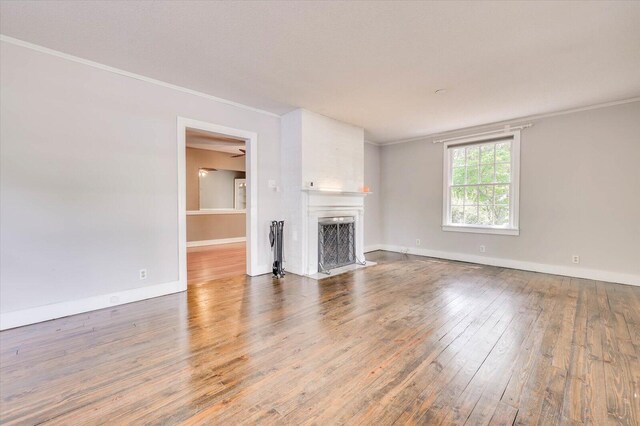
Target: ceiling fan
[240,155]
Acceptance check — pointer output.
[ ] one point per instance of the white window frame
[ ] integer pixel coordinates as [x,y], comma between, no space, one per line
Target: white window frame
[513,228]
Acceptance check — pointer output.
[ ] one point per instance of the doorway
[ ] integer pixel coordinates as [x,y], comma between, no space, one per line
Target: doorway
[218,201]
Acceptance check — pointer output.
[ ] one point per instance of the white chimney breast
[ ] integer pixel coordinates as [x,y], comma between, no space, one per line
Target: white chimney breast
[330,154]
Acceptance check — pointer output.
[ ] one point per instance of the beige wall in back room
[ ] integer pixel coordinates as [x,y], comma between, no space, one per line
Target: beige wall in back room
[579,186]
[215,227]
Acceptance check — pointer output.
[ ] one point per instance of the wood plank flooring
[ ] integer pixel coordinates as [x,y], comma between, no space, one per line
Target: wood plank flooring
[412,340]
[208,263]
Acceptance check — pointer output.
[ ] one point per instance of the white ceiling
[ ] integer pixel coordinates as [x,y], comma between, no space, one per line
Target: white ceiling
[373,64]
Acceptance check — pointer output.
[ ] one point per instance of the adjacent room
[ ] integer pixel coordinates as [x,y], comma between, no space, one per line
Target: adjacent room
[346,212]
[216,189]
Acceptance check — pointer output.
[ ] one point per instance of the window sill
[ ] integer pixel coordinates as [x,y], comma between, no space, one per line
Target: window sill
[481,230]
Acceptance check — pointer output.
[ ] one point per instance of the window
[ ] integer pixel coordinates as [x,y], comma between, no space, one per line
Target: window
[481,181]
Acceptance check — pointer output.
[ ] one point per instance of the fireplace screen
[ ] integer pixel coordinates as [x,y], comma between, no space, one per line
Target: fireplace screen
[336,242]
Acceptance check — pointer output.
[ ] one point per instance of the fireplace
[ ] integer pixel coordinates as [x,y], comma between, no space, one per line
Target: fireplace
[322,178]
[336,242]
[307,237]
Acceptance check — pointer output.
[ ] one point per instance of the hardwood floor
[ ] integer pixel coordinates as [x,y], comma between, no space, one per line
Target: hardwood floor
[218,261]
[411,340]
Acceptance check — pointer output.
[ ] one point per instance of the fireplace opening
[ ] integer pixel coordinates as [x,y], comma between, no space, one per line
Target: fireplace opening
[336,242]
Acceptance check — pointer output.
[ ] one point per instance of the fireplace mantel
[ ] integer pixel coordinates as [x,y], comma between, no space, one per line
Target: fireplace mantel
[332,192]
[318,204]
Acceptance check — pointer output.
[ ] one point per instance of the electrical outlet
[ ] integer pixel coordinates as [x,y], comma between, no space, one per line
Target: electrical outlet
[142,274]
[418,242]
[575,258]
[483,249]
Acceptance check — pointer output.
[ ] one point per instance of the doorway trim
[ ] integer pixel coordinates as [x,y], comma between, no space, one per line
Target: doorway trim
[251,145]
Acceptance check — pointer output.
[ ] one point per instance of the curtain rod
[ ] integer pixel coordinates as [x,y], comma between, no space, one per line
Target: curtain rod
[503,130]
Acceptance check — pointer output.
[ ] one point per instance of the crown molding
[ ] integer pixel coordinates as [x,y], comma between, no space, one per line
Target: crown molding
[52,52]
[510,122]
[46,50]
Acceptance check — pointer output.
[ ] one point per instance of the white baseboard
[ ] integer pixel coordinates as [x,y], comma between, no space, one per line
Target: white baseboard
[372,247]
[577,272]
[64,309]
[58,310]
[263,269]
[72,307]
[216,242]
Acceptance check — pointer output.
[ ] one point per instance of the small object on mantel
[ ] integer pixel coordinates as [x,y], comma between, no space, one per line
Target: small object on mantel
[365,188]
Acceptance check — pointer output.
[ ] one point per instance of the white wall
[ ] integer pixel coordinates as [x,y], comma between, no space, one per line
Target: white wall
[291,187]
[579,194]
[332,153]
[89,179]
[372,217]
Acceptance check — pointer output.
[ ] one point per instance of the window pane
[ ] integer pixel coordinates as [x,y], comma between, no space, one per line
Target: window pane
[472,174]
[486,173]
[485,216]
[458,157]
[457,214]
[503,152]
[458,176]
[485,195]
[486,154]
[502,194]
[471,196]
[457,196]
[503,173]
[473,155]
[501,215]
[471,215]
